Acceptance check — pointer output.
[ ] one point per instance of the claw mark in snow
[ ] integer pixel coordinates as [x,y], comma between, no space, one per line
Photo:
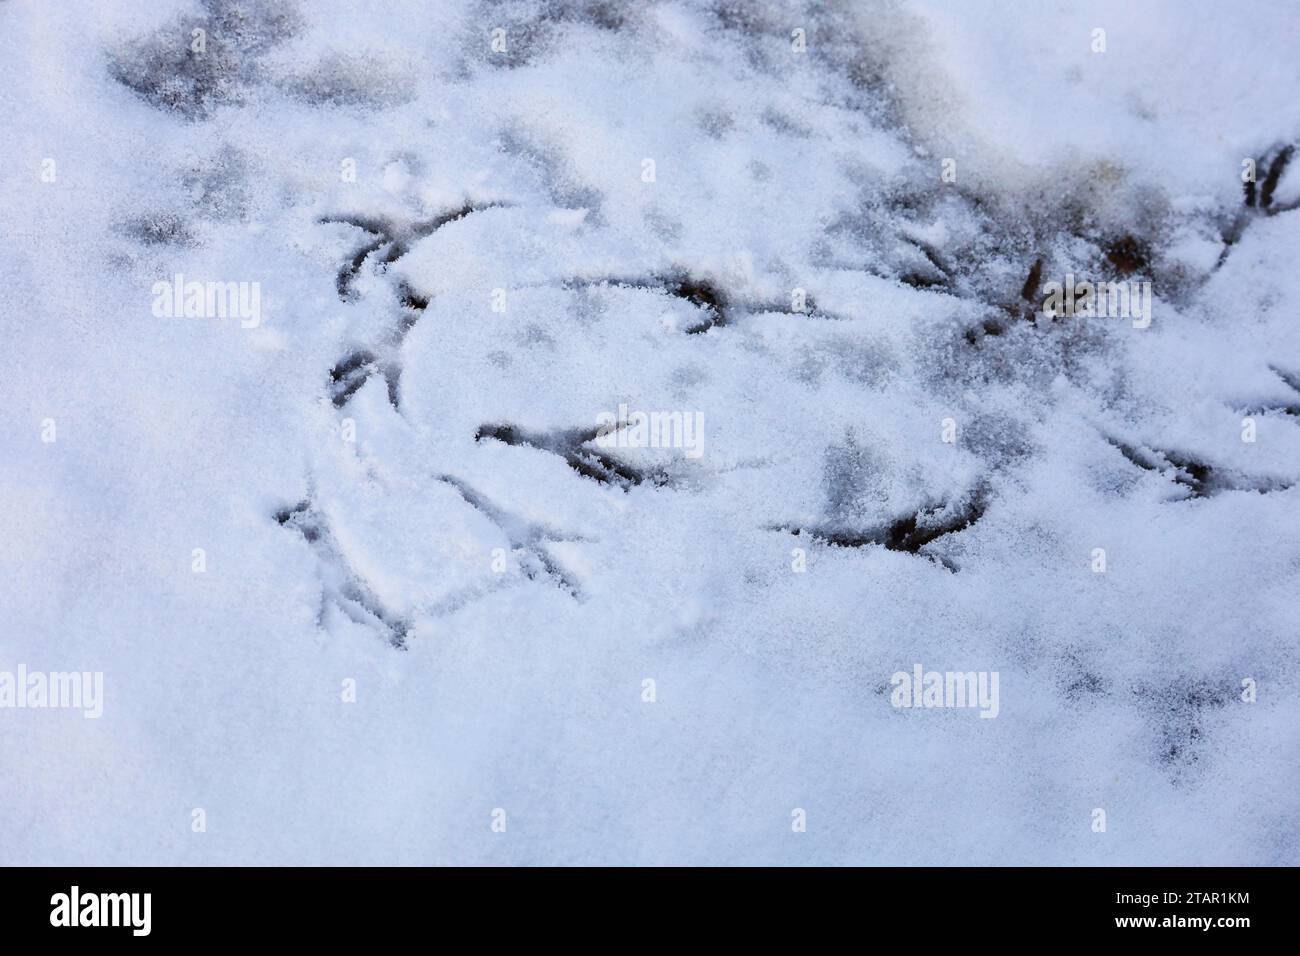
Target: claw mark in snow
[571,445]
[526,537]
[1201,480]
[909,534]
[341,584]
[391,241]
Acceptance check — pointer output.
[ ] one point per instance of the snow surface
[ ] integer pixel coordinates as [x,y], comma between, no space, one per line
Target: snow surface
[519,686]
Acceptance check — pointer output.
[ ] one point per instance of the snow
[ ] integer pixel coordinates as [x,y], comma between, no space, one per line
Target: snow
[432,523]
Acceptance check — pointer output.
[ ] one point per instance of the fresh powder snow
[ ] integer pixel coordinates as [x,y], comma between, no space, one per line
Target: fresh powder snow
[588,431]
